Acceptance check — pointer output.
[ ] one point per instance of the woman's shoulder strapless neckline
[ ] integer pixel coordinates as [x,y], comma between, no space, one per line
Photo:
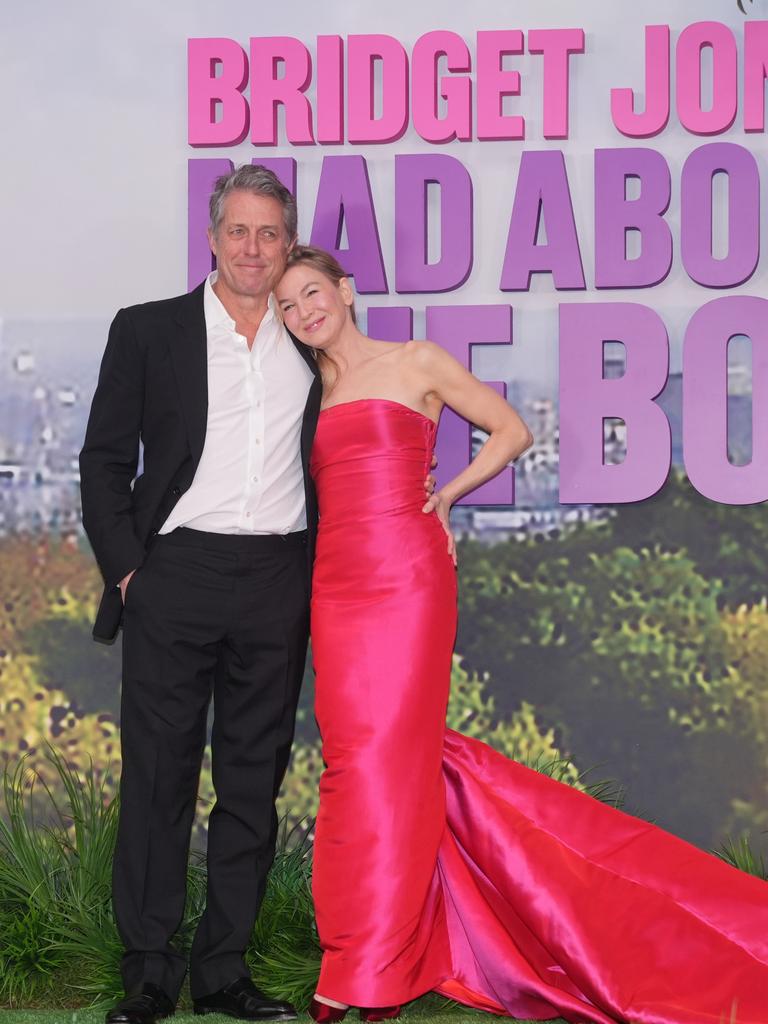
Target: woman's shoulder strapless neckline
[355,402]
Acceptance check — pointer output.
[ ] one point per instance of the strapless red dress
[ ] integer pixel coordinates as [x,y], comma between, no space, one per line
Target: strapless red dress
[440,864]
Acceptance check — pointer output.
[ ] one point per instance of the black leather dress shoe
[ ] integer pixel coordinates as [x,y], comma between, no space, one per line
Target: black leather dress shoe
[143,1007]
[243,1000]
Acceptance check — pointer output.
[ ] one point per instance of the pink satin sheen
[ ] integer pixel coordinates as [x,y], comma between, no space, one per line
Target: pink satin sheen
[440,864]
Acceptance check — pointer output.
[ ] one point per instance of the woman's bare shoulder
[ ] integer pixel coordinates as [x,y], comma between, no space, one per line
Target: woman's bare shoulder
[422,352]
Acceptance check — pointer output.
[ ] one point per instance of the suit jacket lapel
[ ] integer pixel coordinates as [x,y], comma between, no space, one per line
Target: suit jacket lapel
[189,354]
[312,408]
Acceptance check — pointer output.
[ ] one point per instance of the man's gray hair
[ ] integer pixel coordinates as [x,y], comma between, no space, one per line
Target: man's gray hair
[261,182]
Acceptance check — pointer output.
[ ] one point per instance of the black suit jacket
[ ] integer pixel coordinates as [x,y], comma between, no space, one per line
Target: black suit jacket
[153,385]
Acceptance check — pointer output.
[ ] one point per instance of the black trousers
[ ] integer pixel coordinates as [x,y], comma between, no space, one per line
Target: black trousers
[206,615]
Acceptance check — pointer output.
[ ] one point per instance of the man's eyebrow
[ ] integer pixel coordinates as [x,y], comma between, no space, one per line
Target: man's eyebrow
[242,224]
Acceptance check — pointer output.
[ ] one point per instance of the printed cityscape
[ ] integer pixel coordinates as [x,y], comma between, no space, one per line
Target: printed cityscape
[49,371]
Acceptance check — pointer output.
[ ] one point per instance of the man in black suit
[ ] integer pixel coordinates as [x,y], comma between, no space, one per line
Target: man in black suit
[205,558]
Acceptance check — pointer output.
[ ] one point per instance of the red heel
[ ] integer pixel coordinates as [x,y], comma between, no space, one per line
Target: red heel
[380,1012]
[325,1014]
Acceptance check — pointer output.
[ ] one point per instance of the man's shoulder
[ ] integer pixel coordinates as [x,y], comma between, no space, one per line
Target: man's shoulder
[161,310]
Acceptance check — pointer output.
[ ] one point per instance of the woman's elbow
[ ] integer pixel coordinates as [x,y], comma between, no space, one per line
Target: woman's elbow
[523,439]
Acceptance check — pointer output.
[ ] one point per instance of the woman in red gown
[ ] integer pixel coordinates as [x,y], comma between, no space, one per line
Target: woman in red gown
[439,864]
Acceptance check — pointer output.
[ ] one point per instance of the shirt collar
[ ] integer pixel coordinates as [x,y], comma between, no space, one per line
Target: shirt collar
[216,313]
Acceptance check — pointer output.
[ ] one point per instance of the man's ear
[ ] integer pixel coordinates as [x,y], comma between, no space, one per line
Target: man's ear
[211,241]
[292,244]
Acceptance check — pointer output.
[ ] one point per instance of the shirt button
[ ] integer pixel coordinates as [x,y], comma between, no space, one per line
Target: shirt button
[255,479]
[247,515]
[258,440]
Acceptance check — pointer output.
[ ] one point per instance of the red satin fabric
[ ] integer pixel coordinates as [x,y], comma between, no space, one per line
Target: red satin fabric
[440,864]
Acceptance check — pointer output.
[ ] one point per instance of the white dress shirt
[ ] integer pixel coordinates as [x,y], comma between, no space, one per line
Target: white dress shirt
[249,479]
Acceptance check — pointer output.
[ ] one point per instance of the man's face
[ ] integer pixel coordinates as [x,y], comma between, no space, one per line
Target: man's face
[250,244]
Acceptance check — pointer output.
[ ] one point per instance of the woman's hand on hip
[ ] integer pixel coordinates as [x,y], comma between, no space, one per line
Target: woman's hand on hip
[438,503]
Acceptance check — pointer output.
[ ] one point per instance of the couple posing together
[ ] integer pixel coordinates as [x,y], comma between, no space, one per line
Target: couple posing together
[438,863]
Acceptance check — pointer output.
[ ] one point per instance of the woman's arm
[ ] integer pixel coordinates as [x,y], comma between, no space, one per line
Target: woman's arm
[447,380]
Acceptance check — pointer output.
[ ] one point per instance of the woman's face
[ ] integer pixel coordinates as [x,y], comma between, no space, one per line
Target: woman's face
[314,307]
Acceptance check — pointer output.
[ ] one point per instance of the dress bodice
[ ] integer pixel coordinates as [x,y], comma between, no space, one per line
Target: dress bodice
[370,458]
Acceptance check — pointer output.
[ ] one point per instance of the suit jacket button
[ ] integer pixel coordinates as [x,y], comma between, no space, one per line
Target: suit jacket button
[176,491]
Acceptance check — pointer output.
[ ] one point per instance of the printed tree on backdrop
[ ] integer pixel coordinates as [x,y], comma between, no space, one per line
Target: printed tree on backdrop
[47,585]
[725,542]
[626,654]
[746,631]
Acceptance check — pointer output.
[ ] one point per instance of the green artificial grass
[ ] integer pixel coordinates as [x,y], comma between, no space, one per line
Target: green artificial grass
[457,1015]
[431,1009]
[740,854]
